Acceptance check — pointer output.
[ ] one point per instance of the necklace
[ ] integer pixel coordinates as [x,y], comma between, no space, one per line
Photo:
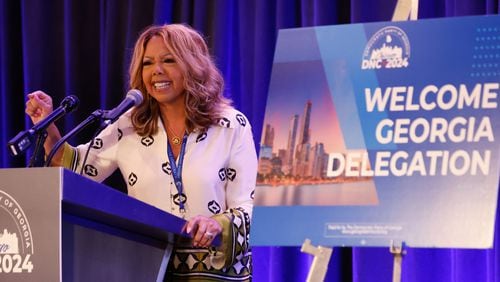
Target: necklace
[176,140]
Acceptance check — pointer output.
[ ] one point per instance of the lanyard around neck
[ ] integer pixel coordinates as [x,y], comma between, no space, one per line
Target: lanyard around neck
[177,170]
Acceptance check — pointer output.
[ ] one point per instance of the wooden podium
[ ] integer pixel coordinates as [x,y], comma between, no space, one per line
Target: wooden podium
[56,225]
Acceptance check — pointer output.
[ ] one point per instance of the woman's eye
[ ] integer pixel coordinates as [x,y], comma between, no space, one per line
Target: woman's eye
[146,63]
[169,60]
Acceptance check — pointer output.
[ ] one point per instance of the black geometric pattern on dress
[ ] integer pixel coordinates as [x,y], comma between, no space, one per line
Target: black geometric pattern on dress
[241,119]
[252,195]
[165,167]
[201,137]
[231,173]
[132,179]
[178,198]
[91,170]
[97,144]
[189,262]
[241,222]
[214,207]
[196,262]
[147,141]
[240,232]
[120,134]
[222,174]
[224,122]
[246,215]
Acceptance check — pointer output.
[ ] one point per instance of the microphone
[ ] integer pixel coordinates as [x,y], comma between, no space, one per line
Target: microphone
[22,141]
[133,98]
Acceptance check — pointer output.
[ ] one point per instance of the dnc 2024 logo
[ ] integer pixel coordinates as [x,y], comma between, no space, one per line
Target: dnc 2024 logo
[16,241]
[388,48]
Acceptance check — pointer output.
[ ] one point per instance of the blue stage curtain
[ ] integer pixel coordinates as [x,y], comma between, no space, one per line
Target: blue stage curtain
[83,48]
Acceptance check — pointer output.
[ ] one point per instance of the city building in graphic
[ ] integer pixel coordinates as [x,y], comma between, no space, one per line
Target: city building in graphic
[276,165]
[268,137]
[290,148]
[318,162]
[304,136]
[282,153]
[301,163]
[265,167]
[266,146]
[9,243]
[266,152]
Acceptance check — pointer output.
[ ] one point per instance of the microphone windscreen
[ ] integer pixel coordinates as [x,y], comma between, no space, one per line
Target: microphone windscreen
[135,95]
[70,103]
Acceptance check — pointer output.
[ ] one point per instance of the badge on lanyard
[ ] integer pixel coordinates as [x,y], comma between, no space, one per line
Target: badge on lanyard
[179,198]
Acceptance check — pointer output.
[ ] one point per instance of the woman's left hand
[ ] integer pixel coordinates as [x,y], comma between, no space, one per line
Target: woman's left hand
[203,230]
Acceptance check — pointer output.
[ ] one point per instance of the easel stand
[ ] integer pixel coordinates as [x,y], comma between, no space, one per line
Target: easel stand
[398,252]
[319,266]
[404,10]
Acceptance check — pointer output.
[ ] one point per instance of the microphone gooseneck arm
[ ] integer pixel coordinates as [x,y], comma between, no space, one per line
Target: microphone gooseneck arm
[95,116]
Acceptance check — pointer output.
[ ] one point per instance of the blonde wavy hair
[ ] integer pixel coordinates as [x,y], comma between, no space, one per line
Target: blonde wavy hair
[203,82]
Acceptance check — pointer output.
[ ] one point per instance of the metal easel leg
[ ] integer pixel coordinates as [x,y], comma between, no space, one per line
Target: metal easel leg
[405,9]
[319,266]
[398,252]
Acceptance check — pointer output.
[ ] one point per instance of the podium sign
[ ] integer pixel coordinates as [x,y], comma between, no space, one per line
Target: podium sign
[59,226]
[382,132]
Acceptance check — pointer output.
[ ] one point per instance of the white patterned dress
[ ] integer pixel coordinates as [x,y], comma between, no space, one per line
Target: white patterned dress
[218,175]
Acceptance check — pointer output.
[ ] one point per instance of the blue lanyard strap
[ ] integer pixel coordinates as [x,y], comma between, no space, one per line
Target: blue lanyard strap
[177,170]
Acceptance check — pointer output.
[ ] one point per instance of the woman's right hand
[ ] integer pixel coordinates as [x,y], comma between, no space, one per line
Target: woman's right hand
[38,106]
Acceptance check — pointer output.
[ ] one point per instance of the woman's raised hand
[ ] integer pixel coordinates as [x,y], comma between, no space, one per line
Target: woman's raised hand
[38,106]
